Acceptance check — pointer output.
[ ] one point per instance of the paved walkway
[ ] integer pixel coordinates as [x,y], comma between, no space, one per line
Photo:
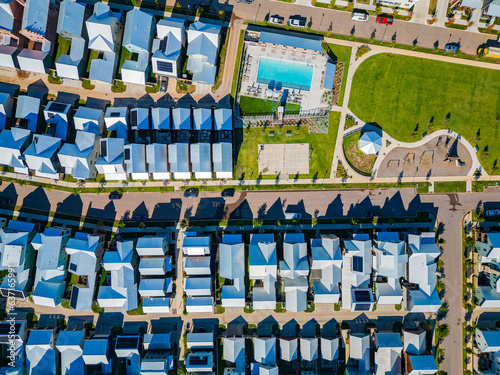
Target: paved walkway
[420,12]
[441,10]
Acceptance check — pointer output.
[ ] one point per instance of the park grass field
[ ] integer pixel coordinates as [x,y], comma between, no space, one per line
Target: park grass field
[408,96]
[321,147]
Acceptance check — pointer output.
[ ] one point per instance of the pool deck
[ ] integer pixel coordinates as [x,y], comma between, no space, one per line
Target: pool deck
[311,99]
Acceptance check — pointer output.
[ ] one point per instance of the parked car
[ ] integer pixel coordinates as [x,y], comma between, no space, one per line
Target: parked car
[139,218]
[245,1]
[163,85]
[492,213]
[373,213]
[115,195]
[227,192]
[277,20]
[385,19]
[191,193]
[297,21]
[358,15]
[452,47]
[5,201]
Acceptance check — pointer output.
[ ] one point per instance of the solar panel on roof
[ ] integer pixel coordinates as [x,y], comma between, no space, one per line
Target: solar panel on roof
[127,154]
[362,307]
[104,149]
[5,328]
[165,66]
[133,118]
[114,114]
[362,295]
[12,293]
[198,360]
[74,297]
[72,267]
[57,107]
[357,264]
[124,342]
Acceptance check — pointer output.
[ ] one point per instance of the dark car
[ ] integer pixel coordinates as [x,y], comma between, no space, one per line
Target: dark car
[139,218]
[373,213]
[385,19]
[6,201]
[297,21]
[191,193]
[245,1]
[227,193]
[452,47]
[163,85]
[115,195]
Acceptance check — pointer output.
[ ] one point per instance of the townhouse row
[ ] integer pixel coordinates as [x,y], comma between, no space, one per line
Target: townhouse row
[154,349]
[147,143]
[30,30]
[356,272]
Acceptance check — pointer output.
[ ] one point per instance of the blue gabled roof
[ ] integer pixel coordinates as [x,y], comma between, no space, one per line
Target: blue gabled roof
[36,13]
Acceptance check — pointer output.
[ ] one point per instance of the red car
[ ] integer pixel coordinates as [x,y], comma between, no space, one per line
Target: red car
[385,19]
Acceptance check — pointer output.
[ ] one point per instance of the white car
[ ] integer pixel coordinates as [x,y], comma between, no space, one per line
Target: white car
[359,16]
[277,20]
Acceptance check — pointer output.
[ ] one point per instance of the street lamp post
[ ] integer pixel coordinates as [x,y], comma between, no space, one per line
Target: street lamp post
[321,22]
[255,17]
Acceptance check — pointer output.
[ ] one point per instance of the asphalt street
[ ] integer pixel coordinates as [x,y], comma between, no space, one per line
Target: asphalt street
[339,22]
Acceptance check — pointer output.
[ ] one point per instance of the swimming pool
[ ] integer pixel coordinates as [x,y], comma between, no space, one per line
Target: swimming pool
[291,74]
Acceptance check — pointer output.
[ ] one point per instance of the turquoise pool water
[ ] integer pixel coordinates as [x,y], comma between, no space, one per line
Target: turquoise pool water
[291,74]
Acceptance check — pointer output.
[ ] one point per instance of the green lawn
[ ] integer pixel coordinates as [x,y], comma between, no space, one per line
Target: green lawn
[340,54]
[321,148]
[92,55]
[124,55]
[408,96]
[450,187]
[62,47]
[254,106]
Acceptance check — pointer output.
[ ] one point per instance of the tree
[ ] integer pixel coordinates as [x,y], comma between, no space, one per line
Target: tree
[470,329]
[258,222]
[443,330]
[184,223]
[439,286]
[181,370]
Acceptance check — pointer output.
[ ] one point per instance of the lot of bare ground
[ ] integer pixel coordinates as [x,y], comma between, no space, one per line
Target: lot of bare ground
[427,160]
